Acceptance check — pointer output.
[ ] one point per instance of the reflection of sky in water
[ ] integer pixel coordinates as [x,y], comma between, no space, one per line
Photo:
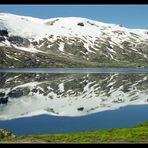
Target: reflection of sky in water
[69,94]
[124,117]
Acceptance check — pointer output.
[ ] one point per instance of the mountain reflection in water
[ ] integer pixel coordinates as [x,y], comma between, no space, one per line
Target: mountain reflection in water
[69,94]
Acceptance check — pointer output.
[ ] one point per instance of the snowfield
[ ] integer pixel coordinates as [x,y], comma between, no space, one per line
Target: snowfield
[34,28]
[81,38]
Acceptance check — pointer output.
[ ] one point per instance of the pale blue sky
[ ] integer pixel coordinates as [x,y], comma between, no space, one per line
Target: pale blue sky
[131,16]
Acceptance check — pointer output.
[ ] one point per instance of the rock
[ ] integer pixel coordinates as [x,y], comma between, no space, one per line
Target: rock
[6,134]
[80,24]
[15,93]
[34,90]
[19,92]
[4,33]
[80,108]
[4,100]
[51,22]
[19,40]
[2,39]
[2,94]
[41,92]
[26,91]
[26,42]
[35,43]
[15,39]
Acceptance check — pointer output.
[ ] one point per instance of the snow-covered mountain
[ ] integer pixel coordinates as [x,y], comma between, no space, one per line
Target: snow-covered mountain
[69,42]
[29,94]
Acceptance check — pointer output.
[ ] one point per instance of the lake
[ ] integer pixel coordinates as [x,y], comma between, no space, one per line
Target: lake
[58,100]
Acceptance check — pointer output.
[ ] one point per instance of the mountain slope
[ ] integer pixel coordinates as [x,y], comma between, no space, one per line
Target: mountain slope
[69,42]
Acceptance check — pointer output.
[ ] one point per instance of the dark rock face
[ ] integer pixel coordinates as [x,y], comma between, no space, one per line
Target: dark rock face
[19,40]
[26,42]
[34,90]
[80,24]
[26,91]
[15,39]
[2,39]
[80,109]
[4,33]
[35,43]
[19,92]
[2,94]
[15,93]
[51,22]
[2,57]
[4,100]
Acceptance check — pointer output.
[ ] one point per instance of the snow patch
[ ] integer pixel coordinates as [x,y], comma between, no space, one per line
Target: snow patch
[61,87]
[61,47]
[28,49]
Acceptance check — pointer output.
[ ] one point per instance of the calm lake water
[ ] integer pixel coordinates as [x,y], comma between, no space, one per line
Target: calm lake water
[58,100]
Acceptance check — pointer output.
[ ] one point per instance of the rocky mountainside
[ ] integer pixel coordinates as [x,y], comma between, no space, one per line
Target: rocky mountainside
[29,94]
[69,42]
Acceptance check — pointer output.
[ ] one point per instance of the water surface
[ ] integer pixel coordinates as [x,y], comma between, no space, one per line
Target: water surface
[69,100]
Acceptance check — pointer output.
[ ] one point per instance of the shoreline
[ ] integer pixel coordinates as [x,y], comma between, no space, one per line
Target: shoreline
[136,134]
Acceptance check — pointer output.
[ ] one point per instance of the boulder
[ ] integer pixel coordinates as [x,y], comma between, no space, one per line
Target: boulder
[2,39]
[4,100]
[34,90]
[19,92]
[80,108]
[35,43]
[26,91]
[15,93]
[19,40]
[80,24]
[4,33]
[2,94]
[6,134]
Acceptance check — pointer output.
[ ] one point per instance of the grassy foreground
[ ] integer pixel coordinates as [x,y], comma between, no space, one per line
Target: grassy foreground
[137,134]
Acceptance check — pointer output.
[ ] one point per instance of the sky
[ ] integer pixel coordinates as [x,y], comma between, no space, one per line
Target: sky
[130,16]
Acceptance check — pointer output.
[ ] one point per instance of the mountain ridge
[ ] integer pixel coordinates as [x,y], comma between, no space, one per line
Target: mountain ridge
[69,42]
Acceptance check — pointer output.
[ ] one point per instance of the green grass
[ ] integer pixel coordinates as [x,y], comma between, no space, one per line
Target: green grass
[137,134]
